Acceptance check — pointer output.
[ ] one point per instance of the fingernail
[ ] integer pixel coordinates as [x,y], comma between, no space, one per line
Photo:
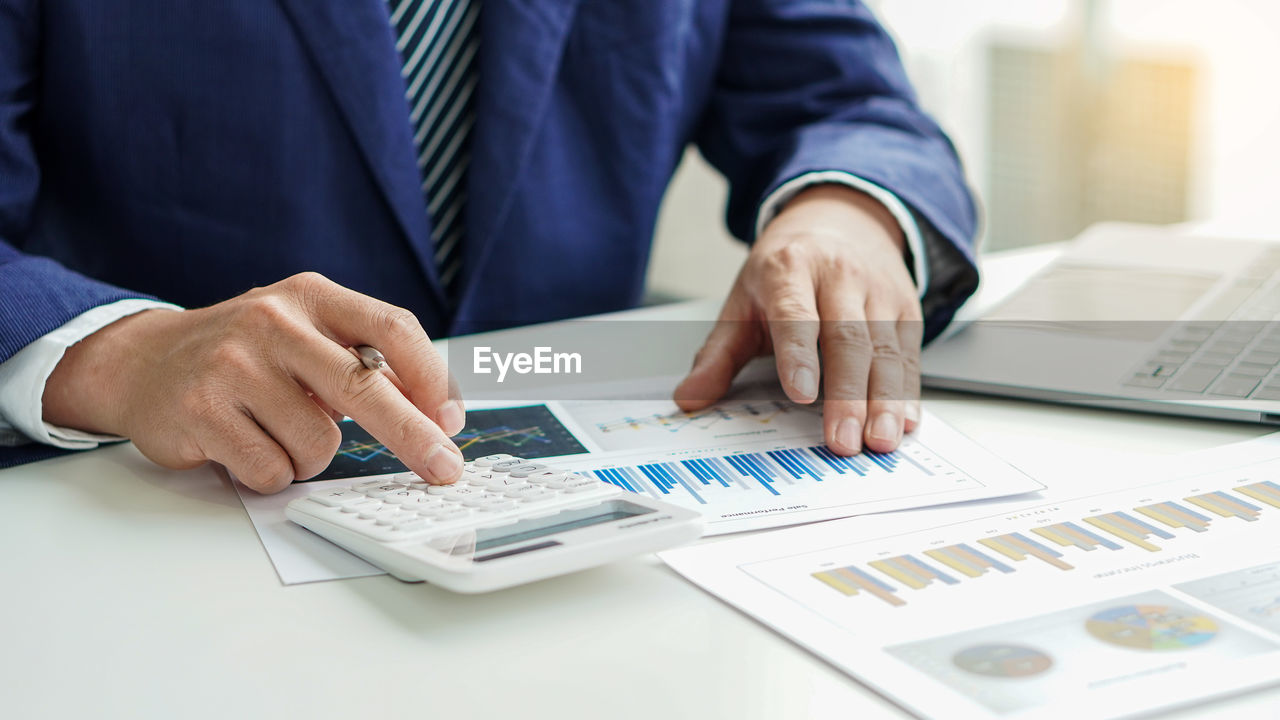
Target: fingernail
[445,465]
[452,417]
[913,411]
[887,428]
[805,383]
[849,434]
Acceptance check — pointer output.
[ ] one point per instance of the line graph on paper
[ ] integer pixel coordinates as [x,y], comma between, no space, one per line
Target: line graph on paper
[661,424]
[359,455]
[530,432]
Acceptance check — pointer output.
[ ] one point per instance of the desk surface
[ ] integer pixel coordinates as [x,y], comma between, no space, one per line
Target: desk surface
[132,591]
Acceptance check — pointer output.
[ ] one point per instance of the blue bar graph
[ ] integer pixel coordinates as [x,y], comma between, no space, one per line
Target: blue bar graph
[770,471]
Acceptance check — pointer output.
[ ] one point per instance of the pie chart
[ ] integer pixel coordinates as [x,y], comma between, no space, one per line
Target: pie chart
[1010,661]
[1151,627]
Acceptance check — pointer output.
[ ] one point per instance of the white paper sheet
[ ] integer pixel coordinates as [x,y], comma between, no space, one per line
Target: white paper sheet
[755,461]
[1085,602]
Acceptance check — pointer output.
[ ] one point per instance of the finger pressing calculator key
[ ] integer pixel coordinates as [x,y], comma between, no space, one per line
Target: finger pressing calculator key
[507,521]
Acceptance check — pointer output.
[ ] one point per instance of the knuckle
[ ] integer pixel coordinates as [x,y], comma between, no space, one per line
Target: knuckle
[358,387]
[887,351]
[845,266]
[318,449]
[266,312]
[408,431]
[307,281]
[847,335]
[264,468]
[790,305]
[401,325]
[322,444]
[308,287]
[784,259]
[232,358]
[201,403]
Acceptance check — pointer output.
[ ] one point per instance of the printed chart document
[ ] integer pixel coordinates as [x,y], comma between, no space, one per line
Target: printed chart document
[745,464]
[1101,606]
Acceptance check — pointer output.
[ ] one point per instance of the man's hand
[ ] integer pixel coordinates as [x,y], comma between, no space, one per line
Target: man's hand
[256,383]
[827,273]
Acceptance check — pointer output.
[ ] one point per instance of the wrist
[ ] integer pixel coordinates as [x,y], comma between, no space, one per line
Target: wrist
[88,388]
[842,207]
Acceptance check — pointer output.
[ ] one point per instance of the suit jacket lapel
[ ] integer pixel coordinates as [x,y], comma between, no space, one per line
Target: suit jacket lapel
[353,45]
[521,44]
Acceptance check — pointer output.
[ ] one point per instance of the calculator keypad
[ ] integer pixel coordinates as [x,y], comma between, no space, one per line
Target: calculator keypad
[494,490]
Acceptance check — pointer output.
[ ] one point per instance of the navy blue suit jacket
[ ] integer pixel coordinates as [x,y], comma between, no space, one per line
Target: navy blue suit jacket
[191,150]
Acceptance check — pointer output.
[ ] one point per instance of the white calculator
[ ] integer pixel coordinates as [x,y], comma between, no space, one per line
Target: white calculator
[507,521]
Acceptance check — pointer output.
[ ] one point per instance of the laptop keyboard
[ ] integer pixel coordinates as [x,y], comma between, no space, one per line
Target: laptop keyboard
[1233,358]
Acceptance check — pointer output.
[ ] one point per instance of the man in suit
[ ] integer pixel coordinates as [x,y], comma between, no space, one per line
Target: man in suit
[384,171]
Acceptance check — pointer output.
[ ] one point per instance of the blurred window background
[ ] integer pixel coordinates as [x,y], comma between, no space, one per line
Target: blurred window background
[1066,113]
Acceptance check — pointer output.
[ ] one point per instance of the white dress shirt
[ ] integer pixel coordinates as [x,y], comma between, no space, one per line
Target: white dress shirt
[23,376]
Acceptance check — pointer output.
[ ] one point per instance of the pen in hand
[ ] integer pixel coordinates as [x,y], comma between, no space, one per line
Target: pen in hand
[371,357]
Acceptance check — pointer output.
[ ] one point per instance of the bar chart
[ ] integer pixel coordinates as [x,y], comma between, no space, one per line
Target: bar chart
[1151,586]
[751,484]
[1152,528]
[771,471]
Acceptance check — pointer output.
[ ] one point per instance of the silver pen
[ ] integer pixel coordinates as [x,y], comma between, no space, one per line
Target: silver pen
[371,357]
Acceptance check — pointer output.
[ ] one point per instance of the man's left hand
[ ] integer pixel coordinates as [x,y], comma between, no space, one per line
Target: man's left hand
[826,277]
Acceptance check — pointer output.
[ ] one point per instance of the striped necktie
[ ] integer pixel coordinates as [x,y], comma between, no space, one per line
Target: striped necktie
[437,40]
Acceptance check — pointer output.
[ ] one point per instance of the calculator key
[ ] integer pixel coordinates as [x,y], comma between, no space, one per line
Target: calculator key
[423,502]
[453,515]
[413,525]
[547,476]
[406,478]
[553,483]
[392,518]
[483,500]
[498,504]
[337,497]
[359,507]
[400,497]
[539,496]
[506,465]
[527,469]
[372,513]
[379,491]
[485,477]
[581,484]
[367,484]
[524,490]
[488,460]
[440,490]
[504,484]
[490,480]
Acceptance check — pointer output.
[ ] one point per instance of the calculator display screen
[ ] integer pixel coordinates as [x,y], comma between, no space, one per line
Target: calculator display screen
[558,523]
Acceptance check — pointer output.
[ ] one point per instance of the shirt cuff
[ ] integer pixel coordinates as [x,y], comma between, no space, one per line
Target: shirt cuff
[773,204]
[23,376]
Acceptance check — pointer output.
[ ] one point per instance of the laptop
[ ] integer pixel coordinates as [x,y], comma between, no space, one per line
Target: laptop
[1132,317]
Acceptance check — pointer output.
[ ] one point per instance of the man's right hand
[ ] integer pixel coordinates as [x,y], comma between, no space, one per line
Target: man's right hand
[256,383]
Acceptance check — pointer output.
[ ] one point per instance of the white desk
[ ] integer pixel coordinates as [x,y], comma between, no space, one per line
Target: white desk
[134,592]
